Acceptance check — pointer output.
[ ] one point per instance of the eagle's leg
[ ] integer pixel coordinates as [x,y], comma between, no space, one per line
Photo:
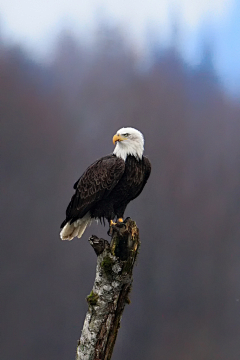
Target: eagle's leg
[114,225]
[110,230]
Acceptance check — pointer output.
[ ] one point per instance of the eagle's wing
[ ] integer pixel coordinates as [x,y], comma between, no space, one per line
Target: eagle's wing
[146,171]
[97,182]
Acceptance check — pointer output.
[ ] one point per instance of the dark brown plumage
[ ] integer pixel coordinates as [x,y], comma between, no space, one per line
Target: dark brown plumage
[108,185]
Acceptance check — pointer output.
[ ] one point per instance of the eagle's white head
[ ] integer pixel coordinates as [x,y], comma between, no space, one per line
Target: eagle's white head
[129,141]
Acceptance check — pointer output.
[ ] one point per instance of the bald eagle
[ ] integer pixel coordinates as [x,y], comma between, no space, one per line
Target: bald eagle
[108,185]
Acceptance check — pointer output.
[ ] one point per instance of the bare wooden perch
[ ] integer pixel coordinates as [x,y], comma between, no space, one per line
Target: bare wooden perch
[110,291]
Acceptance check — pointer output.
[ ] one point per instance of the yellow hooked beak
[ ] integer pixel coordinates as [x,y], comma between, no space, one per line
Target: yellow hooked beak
[118,138]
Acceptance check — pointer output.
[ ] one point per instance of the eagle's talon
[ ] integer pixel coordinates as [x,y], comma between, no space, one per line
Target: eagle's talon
[112,223]
[115,226]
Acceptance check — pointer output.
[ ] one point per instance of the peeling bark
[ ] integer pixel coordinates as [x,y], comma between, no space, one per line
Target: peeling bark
[110,291]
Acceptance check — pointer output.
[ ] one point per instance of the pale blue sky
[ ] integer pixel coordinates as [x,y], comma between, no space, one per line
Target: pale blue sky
[35,23]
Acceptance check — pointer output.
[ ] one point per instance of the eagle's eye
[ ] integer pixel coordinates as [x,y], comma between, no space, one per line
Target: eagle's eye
[126,135]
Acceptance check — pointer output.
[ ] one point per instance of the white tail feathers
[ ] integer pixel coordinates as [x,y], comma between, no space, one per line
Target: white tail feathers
[77,228]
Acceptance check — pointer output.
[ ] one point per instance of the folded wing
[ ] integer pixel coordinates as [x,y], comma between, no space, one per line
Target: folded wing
[96,183]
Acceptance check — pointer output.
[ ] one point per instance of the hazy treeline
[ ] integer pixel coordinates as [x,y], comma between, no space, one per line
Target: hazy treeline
[59,117]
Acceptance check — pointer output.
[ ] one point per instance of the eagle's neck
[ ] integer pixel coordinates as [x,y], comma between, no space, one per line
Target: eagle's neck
[125,148]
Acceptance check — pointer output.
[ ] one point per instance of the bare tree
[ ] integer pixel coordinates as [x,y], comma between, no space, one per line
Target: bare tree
[110,291]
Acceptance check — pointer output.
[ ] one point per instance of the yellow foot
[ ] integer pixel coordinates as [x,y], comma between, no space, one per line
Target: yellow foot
[119,220]
[113,224]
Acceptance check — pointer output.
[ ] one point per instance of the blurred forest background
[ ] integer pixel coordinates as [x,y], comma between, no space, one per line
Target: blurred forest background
[56,119]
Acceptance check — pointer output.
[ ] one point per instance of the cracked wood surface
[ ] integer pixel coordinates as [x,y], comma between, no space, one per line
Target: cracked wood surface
[110,291]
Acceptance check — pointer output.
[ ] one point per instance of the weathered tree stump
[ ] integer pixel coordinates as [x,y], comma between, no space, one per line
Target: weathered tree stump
[110,291]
